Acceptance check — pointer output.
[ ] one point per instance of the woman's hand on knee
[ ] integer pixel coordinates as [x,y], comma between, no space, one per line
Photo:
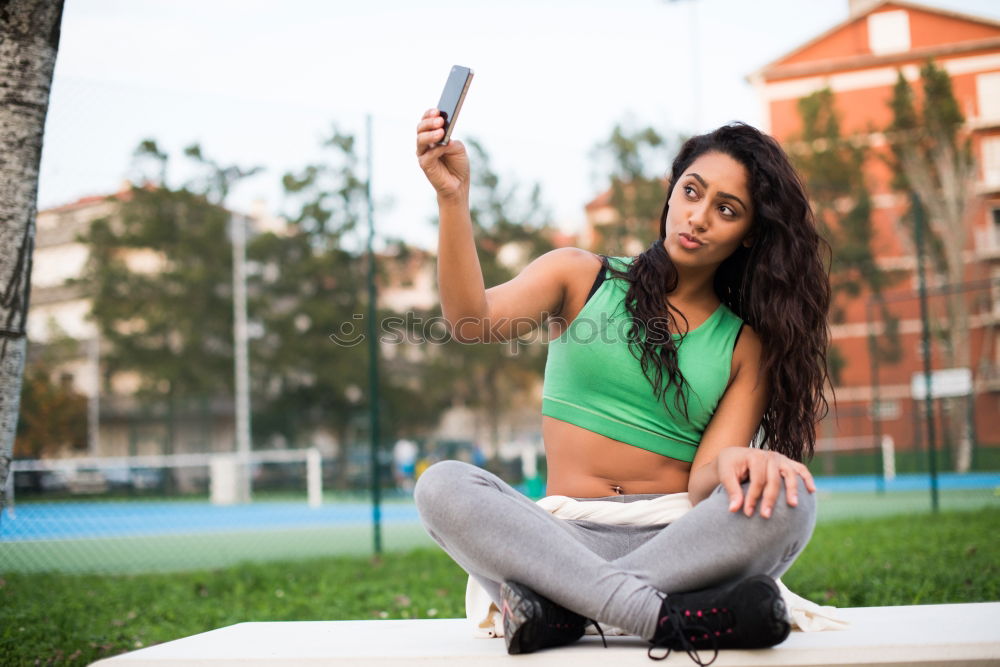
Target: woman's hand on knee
[767,473]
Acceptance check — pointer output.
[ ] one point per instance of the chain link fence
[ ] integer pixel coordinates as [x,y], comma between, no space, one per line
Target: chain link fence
[884,434]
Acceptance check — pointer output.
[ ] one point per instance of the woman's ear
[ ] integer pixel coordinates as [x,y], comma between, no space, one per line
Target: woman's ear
[748,240]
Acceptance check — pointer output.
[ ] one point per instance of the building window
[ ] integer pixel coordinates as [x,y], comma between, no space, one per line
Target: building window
[886,410]
[889,32]
[991,160]
[988,96]
[995,294]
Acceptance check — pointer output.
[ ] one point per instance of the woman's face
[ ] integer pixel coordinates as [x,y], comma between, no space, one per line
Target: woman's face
[710,213]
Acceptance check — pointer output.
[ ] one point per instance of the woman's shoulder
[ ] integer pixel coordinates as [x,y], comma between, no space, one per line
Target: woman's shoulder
[748,348]
[569,260]
[572,252]
[571,268]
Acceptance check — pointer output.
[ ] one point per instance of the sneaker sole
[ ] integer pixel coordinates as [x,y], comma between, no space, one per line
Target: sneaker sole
[518,608]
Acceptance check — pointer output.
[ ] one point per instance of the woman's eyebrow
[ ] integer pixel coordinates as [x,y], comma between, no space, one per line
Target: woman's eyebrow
[724,195]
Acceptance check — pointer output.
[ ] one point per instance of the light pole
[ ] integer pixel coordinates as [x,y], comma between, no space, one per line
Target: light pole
[241,366]
[373,354]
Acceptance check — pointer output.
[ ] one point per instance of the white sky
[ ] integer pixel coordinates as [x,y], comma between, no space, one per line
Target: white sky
[259,82]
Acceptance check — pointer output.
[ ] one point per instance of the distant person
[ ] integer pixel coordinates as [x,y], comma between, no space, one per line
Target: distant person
[478,456]
[662,369]
[404,460]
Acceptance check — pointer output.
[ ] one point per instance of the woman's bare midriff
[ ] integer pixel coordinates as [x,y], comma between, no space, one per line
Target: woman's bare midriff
[584,464]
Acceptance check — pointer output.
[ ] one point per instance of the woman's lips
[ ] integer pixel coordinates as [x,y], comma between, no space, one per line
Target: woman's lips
[689,242]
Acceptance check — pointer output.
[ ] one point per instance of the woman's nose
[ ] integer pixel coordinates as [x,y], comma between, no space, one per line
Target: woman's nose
[697,218]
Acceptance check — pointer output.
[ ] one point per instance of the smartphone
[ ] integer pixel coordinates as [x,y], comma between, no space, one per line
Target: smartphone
[452,97]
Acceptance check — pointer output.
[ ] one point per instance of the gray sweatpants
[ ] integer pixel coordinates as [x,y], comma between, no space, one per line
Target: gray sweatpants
[612,574]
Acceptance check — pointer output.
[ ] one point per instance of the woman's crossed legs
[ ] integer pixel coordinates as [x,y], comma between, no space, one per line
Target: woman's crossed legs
[612,574]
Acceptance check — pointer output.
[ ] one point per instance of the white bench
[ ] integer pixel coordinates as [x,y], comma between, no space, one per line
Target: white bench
[950,634]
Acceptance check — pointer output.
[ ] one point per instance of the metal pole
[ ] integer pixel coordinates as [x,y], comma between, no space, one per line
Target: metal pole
[94,401]
[242,364]
[876,403]
[971,416]
[925,346]
[373,353]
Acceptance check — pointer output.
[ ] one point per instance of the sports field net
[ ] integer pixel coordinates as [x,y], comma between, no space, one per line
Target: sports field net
[189,511]
[222,478]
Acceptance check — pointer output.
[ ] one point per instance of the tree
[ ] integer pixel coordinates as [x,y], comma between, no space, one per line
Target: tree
[933,157]
[53,413]
[308,284]
[832,167]
[29,41]
[160,276]
[638,164]
[159,272]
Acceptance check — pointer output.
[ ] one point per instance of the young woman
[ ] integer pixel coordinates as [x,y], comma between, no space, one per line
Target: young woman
[662,370]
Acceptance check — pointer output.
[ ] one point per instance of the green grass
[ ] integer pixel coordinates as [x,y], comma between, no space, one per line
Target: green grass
[63,618]
[915,559]
[75,619]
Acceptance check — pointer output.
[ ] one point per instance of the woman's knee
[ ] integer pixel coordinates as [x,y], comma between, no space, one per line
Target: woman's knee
[800,517]
[783,516]
[439,482]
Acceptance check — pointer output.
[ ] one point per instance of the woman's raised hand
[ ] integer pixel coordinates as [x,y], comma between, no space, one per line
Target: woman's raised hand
[767,472]
[446,167]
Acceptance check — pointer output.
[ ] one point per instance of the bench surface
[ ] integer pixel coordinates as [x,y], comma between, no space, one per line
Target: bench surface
[951,634]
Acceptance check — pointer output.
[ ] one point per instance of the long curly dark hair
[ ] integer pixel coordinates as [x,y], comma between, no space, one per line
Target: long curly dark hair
[779,285]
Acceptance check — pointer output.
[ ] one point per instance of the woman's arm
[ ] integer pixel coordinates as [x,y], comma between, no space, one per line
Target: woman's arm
[474,313]
[724,456]
[460,278]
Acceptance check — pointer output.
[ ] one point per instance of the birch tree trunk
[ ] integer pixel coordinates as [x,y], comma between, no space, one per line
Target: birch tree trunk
[946,185]
[29,40]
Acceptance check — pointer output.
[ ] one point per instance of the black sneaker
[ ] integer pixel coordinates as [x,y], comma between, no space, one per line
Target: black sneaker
[750,615]
[532,621]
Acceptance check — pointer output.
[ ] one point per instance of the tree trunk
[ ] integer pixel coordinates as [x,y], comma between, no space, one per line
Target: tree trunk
[948,205]
[29,40]
[957,185]
[960,334]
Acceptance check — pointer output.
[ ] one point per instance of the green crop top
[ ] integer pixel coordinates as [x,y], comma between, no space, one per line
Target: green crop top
[593,380]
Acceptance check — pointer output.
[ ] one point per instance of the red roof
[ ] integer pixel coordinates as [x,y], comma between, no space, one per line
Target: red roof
[932,29]
[89,200]
[602,200]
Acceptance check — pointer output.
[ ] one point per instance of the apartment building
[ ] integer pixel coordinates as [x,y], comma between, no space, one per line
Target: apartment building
[859,61]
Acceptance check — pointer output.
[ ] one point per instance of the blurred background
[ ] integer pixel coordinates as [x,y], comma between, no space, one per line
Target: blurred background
[200,387]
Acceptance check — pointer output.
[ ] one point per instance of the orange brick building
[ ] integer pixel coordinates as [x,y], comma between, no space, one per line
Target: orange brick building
[859,61]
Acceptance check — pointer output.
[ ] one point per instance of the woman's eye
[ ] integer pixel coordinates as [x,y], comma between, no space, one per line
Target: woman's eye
[727,211]
[689,191]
